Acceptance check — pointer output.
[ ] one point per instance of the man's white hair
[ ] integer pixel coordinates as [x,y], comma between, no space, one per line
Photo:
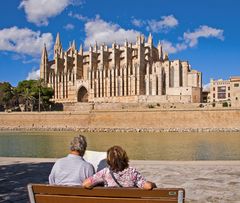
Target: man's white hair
[79,144]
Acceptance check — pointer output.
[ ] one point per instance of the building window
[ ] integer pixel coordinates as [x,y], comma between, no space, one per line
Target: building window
[228,94]
[118,90]
[171,78]
[236,85]
[181,76]
[150,87]
[60,77]
[214,95]
[222,92]
[228,88]
[213,88]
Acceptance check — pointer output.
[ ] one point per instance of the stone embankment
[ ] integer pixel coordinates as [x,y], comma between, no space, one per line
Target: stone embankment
[124,129]
[125,121]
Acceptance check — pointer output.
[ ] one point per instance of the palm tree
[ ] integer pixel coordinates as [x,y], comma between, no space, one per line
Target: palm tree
[41,85]
[29,99]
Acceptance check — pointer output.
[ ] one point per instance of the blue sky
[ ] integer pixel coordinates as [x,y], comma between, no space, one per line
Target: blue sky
[206,32]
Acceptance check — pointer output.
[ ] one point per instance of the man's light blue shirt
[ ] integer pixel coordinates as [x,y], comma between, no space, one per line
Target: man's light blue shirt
[70,170]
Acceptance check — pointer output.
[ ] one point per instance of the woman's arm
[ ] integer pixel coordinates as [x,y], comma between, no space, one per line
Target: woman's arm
[141,182]
[87,184]
[95,179]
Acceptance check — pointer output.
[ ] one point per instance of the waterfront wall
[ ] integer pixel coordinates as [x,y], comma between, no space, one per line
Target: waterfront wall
[135,120]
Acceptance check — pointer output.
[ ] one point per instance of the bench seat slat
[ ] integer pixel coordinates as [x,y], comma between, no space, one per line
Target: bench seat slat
[78,199]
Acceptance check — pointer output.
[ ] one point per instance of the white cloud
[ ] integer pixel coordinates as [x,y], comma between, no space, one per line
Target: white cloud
[69,26]
[168,47]
[106,32]
[202,32]
[24,58]
[38,11]
[190,39]
[153,25]
[34,74]
[206,87]
[24,41]
[78,16]
[162,25]
[137,22]
[171,49]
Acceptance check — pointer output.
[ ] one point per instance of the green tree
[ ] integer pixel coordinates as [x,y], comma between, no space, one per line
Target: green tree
[6,95]
[44,96]
[28,99]
[35,94]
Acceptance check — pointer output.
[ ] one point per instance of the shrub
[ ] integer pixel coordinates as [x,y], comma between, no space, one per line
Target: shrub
[224,104]
[150,106]
[201,105]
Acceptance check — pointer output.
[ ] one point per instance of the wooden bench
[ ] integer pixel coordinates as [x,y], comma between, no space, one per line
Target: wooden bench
[39,193]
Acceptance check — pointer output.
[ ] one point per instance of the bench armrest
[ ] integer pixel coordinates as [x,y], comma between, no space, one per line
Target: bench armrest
[30,193]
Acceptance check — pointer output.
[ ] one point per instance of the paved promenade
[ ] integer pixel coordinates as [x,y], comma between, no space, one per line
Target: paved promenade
[204,181]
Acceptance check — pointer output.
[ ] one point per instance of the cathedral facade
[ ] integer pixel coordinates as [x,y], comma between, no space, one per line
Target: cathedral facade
[137,72]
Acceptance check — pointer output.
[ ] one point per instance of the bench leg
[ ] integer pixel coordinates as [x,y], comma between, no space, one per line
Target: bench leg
[180,196]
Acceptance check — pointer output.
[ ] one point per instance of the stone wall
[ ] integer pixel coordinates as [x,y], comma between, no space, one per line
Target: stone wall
[145,119]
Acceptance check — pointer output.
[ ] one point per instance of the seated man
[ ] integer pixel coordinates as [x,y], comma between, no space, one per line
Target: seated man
[73,169]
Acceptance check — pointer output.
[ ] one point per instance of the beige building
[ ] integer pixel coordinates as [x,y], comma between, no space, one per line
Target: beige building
[137,72]
[235,91]
[225,90]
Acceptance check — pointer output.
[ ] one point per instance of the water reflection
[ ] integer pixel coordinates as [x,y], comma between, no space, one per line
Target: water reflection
[143,146]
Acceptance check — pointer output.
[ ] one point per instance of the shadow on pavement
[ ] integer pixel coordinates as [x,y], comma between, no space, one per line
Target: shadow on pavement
[14,179]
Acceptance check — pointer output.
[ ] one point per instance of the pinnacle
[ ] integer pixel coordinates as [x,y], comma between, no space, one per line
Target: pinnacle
[58,42]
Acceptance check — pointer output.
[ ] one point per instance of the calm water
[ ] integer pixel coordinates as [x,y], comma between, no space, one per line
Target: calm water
[141,146]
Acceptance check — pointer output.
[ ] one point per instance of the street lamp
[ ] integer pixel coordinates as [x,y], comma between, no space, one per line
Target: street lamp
[39,96]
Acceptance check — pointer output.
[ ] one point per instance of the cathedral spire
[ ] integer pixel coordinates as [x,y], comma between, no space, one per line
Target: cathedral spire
[138,41]
[160,51]
[58,42]
[90,48]
[95,46]
[142,39]
[44,53]
[57,46]
[43,65]
[81,50]
[74,45]
[126,43]
[150,39]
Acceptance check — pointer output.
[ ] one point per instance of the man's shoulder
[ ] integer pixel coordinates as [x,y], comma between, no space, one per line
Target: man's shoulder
[87,164]
[63,158]
[60,160]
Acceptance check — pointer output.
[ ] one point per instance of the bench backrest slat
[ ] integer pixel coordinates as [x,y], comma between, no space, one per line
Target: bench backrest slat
[100,191]
[39,193]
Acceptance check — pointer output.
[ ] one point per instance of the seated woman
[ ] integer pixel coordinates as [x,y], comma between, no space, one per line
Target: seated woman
[118,174]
